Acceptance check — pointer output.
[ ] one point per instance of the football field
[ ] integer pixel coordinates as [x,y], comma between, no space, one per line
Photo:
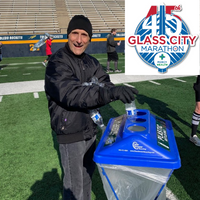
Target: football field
[30,166]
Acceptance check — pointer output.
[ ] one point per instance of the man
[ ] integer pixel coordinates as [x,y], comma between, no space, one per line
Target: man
[111,50]
[196,114]
[1,51]
[69,102]
[48,50]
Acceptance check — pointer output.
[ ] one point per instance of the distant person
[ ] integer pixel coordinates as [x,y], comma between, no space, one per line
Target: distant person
[70,102]
[48,50]
[196,114]
[111,51]
[1,51]
[1,54]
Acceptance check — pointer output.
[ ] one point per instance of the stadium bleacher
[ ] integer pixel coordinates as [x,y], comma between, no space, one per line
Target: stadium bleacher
[28,16]
[52,16]
[104,15]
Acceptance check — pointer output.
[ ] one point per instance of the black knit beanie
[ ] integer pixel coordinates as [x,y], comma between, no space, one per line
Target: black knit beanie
[80,22]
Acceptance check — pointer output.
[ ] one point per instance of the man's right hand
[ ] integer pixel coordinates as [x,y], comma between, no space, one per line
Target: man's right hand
[123,93]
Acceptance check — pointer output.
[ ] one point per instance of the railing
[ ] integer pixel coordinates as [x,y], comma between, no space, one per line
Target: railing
[58,31]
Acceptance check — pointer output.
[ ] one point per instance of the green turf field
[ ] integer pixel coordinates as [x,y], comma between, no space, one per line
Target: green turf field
[31,68]
[30,168]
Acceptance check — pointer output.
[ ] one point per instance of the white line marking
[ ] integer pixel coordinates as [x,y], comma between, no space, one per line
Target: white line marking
[27,74]
[33,67]
[36,67]
[1,97]
[129,85]
[3,75]
[155,82]
[36,95]
[176,79]
[170,195]
[10,68]
[29,63]
[106,58]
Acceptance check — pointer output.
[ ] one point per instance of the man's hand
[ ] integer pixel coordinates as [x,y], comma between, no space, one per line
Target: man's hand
[123,93]
[118,44]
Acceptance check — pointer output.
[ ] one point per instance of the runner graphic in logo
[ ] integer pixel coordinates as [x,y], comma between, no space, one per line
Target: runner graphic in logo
[162,39]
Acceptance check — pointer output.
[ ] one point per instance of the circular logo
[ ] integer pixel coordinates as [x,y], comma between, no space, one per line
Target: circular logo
[136,146]
[163,39]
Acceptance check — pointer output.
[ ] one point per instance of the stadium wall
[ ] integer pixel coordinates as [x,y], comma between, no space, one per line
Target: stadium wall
[22,45]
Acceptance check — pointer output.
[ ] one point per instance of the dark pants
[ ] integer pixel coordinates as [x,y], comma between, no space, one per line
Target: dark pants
[78,166]
[48,57]
[197,89]
[112,56]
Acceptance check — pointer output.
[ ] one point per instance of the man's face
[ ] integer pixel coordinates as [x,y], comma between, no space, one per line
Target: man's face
[78,41]
[114,32]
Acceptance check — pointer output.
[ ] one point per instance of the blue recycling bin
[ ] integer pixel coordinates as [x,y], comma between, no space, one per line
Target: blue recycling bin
[136,157]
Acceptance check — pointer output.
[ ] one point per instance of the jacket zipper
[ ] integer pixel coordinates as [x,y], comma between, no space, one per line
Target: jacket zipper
[82,70]
[82,65]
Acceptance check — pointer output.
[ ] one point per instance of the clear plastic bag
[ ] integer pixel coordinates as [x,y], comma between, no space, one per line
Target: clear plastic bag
[133,183]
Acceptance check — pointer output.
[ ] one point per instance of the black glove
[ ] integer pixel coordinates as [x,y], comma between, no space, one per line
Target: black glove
[123,93]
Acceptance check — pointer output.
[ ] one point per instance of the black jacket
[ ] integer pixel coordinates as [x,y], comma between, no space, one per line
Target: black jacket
[69,101]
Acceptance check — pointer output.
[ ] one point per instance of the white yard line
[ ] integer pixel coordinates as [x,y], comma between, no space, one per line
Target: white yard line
[121,58]
[29,63]
[176,79]
[129,85]
[34,67]
[1,97]
[36,95]
[170,195]
[31,67]
[10,68]
[156,83]
[27,74]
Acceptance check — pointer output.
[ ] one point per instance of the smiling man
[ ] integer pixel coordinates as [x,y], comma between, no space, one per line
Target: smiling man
[69,103]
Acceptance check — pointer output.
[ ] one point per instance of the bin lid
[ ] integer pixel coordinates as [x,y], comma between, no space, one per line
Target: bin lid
[142,140]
